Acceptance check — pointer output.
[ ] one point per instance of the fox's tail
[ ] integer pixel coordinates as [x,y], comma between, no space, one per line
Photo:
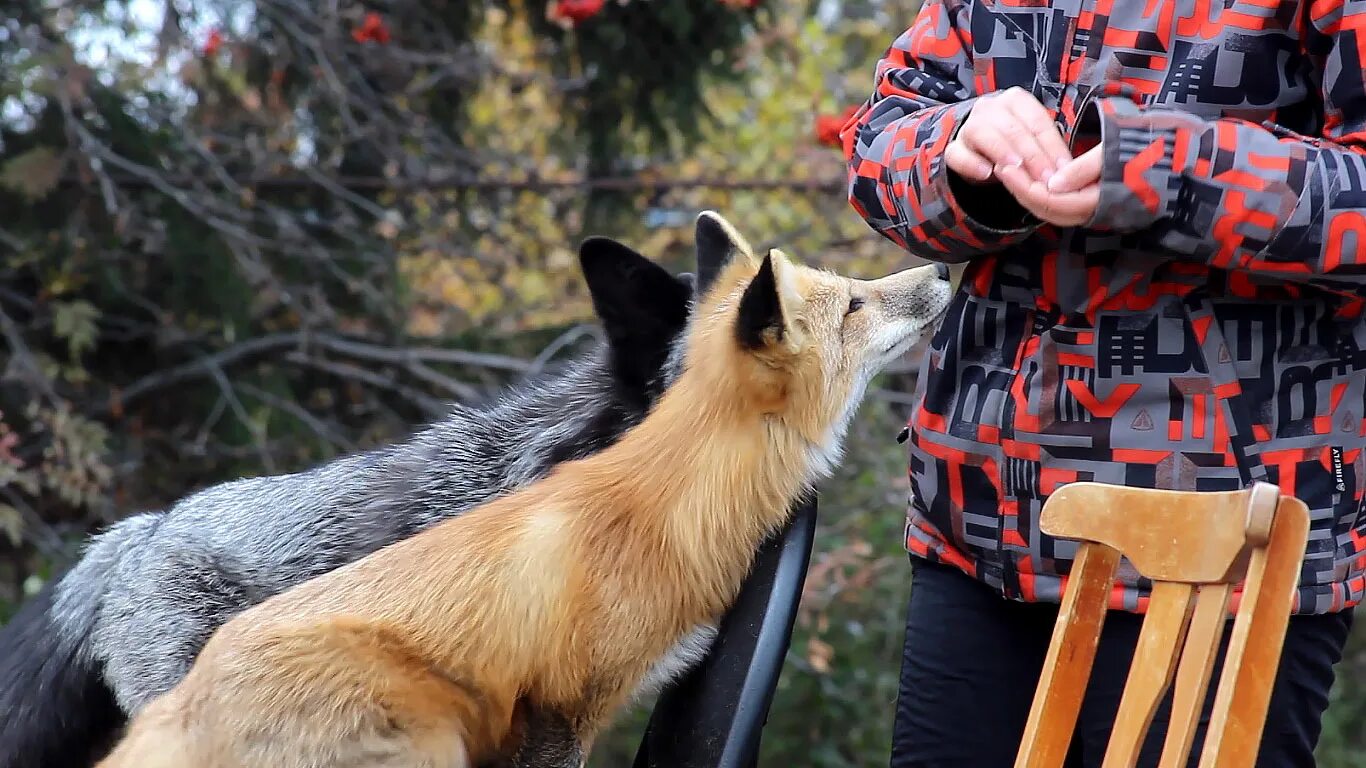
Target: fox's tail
[58,711]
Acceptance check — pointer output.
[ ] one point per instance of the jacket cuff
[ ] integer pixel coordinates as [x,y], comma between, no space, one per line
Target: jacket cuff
[1138,184]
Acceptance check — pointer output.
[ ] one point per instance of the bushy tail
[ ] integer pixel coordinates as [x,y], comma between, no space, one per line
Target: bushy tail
[57,710]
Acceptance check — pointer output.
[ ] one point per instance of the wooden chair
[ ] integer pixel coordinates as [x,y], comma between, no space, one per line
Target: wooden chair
[1195,547]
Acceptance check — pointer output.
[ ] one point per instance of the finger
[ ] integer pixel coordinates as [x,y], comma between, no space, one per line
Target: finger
[999,135]
[1070,209]
[987,140]
[1082,172]
[1066,209]
[1039,122]
[965,162]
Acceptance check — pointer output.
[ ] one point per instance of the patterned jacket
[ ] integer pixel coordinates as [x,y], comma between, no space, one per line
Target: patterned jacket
[1204,330]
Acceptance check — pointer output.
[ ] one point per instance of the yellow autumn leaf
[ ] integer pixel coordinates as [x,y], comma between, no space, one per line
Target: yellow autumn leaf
[424,323]
[819,654]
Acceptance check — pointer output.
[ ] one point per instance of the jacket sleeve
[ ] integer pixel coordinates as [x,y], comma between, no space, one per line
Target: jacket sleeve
[896,140]
[1242,196]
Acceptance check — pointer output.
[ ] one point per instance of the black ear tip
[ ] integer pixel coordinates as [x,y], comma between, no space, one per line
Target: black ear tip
[715,246]
[760,309]
[595,241]
[710,230]
[713,230]
[596,246]
[599,253]
[766,266]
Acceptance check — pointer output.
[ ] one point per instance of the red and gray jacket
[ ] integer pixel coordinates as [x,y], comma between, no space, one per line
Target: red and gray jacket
[1204,330]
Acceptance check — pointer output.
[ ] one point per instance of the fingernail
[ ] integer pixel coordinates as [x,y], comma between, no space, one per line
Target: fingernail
[1013,161]
[1052,182]
[1047,179]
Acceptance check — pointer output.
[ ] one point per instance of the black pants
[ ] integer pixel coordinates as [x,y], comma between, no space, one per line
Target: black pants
[973,659]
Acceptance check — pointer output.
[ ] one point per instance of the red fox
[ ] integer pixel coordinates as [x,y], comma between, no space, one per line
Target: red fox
[562,598]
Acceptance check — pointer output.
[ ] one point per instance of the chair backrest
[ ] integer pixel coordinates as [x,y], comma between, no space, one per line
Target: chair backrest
[1196,547]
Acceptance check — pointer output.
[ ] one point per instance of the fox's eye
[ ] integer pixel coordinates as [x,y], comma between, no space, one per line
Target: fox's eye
[855,304]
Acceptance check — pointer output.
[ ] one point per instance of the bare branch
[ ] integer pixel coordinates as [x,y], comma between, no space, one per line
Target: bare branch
[24,359]
[405,355]
[205,365]
[411,359]
[258,433]
[561,342]
[430,405]
[36,530]
[455,183]
[319,428]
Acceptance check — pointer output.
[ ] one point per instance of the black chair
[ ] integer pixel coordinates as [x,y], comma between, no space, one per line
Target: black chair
[714,716]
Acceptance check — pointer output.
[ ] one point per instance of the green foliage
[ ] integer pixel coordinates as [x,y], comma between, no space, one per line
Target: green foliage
[33,174]
[74,323]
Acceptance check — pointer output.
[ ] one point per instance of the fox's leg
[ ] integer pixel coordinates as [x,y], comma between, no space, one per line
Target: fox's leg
[549,740]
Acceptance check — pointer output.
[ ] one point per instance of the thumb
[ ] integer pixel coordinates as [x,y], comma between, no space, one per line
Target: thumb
[1080,172]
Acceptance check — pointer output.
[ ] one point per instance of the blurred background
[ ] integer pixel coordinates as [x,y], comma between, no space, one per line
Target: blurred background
[244,236]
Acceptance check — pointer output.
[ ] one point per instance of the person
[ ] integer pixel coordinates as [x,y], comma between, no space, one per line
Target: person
[1161,207]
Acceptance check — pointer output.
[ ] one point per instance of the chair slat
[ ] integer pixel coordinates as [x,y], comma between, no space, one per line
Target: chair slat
[1057,700]
[1150,672]
[1193,673]
[1240,703]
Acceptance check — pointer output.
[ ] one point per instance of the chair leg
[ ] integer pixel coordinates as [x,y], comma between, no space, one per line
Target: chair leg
[1071,652]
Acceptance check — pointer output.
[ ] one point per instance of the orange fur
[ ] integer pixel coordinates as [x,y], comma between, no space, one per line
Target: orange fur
[561,596]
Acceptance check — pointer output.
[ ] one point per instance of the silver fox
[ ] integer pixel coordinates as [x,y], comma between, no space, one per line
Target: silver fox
[126,622]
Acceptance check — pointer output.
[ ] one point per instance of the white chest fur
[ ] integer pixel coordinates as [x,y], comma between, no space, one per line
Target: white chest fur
[679,659]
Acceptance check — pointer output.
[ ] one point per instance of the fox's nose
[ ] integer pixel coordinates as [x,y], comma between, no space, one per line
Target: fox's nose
[942,270]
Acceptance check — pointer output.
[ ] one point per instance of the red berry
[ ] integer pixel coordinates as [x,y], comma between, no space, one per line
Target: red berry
[828,127]
[576,11]
[213,42]
[371,30]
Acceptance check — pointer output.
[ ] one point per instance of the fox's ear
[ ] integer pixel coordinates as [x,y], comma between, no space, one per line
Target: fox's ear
[643,307]
[717,244]
[766,309]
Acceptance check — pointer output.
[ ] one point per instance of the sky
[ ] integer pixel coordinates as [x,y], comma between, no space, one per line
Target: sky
[125,35]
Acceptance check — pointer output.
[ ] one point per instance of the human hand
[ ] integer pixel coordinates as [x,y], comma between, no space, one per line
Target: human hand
[1067,199]
[1008,129]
